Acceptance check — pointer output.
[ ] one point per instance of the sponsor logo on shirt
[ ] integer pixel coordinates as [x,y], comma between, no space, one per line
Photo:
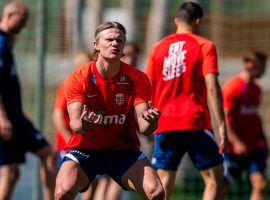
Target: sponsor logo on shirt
[119,99]
[248,110]
[174,65]
[91,96]
[92,79]
[112,119]
[122,81]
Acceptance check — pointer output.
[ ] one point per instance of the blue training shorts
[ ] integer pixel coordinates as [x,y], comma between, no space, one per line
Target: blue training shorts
[235,165]
[113,163]
[26,138]
[170,147]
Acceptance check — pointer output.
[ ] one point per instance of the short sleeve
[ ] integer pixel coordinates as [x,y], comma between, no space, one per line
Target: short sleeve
[142,90]
[60,101]
[209,62]
[74,89]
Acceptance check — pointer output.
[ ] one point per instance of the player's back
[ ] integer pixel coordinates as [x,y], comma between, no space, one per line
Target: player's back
[177,65]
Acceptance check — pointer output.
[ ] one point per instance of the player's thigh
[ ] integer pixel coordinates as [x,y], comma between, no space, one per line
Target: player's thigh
[257,169]
[257,162]
[233,167]
[258,180]
[11,151]
[203,150]
[169,149]
[44,152]
[9,171]
[141,176]
[33,140]
[71,177]
[213,174]
[167,177]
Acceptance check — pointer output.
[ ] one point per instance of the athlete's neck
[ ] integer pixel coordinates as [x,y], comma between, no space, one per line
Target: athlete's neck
[184,28]
[108,70]
[246,76]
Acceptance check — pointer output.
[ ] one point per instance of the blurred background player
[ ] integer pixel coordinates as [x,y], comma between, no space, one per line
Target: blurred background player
[242,98]
[102,98]
[183,70]
[17,134]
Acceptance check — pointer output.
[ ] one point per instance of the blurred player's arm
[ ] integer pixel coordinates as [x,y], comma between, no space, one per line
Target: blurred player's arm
[60,124]
[147,117]
[215,99]
[6,127]
[238,146]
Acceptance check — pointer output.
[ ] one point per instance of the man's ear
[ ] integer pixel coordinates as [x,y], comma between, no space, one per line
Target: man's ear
[176,21]
[197,22]
[96,45]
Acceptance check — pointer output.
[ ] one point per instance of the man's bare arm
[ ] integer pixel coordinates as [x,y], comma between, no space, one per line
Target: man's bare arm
[147,117]
[216,102]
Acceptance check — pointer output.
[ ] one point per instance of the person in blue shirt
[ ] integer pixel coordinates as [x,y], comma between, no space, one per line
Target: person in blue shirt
[17,134]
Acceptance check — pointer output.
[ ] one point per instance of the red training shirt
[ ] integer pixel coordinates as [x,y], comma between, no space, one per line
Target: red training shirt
[242,101]
[115,99]
[177,66]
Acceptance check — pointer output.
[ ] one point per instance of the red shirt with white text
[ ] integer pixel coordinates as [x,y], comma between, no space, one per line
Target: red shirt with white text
[177,66]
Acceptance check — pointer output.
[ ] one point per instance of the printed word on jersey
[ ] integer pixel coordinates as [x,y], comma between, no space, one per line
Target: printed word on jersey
[174,65]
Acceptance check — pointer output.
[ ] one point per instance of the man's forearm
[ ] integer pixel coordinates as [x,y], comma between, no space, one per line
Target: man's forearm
[145,127]
[215,98]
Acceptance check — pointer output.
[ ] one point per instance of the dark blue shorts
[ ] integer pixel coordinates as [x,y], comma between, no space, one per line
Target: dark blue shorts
[170,147]
[235,165]
[112,163]
[25,139]
[60,156]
